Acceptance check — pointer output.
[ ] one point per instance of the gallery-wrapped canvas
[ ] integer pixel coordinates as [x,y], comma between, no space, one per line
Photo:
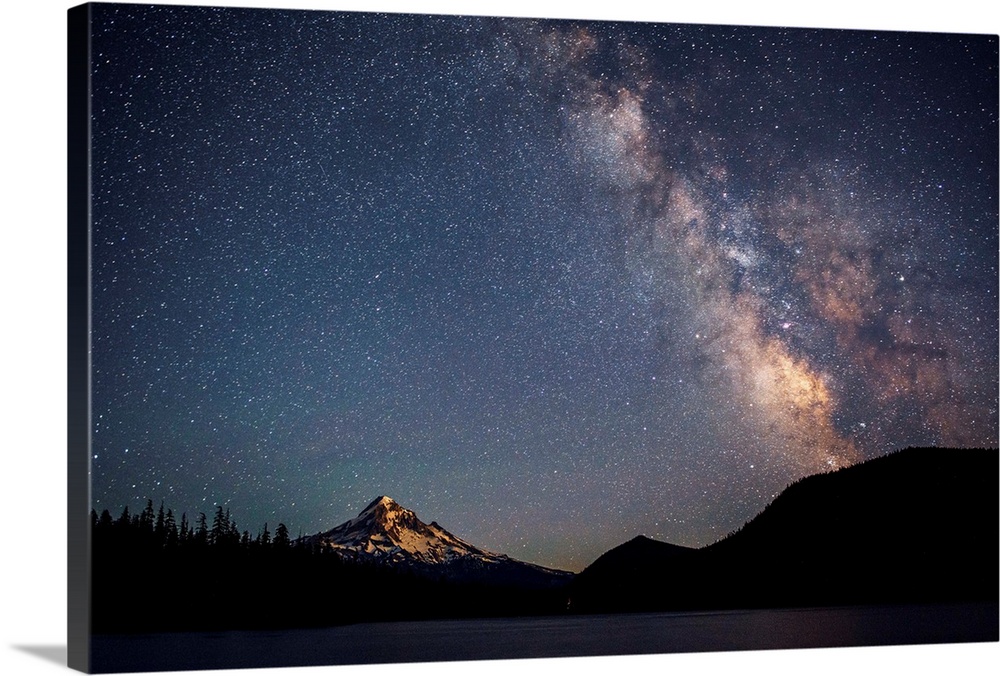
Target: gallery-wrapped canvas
[407,338]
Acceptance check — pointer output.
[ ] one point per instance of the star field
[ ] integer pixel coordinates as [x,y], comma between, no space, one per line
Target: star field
[551,284]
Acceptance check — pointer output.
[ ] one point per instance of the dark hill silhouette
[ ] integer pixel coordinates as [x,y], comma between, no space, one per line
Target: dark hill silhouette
[610,580]
[916,526]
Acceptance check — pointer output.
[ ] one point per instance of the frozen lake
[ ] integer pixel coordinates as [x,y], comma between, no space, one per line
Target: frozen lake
[583,635]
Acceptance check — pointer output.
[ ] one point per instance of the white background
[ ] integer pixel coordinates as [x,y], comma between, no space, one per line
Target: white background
[33,348]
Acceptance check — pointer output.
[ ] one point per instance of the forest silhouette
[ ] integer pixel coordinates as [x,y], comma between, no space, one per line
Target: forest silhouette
[151,573]
[916,526]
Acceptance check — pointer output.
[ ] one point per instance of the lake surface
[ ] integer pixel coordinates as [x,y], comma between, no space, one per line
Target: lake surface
[564,636]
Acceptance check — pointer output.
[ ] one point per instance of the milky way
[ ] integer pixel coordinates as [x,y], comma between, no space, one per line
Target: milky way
[551,284]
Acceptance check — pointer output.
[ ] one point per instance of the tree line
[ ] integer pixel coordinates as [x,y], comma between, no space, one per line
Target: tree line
[160,528]
[153,573]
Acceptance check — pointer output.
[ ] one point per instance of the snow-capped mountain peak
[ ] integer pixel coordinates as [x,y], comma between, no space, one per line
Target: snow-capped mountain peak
[389,534]
[388,531]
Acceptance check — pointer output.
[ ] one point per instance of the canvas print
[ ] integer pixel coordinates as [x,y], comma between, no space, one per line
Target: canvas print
[406,337]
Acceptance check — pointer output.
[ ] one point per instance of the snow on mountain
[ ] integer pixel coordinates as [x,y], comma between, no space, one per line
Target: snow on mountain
[386,530]
[388,533]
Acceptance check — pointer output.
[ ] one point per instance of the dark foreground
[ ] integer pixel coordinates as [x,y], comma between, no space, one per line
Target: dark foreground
[575,635]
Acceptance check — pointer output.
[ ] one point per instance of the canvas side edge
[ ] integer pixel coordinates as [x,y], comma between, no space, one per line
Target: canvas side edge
[78,338]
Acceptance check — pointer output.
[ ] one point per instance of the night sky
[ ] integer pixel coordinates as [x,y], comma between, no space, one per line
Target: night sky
[552,284]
